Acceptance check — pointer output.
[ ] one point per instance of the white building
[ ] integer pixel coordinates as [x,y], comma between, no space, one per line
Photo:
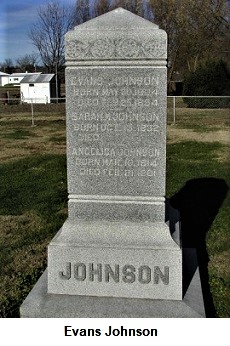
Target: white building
[38,88]
[4,78]
[16,78]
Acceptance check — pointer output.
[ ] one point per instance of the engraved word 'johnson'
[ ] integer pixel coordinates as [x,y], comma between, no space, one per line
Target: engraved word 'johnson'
[106,273]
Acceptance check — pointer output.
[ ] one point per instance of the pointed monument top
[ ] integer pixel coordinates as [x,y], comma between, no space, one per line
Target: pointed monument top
[116,35]
[118,19]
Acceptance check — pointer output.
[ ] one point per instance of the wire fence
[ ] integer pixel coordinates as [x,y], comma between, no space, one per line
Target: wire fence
[39,100]
[177,106]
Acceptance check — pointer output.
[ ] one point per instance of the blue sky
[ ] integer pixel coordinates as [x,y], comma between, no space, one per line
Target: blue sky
[16,18]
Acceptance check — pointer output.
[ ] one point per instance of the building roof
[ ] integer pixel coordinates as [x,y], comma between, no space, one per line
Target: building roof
[25,74]
[42,78]
[3,74]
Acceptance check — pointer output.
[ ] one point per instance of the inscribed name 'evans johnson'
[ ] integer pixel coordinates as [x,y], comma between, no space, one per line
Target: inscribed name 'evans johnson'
[115,126]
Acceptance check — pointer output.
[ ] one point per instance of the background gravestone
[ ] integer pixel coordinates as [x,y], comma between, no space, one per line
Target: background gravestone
[115,242]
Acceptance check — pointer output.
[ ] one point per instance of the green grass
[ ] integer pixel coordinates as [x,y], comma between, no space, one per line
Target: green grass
[60,139]
[33,201]
[196,119]
[37,183]
[187,161]
[18,134]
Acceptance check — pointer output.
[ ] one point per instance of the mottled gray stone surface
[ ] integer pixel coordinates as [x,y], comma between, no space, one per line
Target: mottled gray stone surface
[116,89]
[119,259]
[117,35]
[116,140]
[41,304]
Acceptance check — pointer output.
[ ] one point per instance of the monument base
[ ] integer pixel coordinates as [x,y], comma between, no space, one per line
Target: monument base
[40,304]
[115,259]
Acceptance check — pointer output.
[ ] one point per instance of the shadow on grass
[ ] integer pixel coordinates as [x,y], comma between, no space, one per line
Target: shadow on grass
[198,203]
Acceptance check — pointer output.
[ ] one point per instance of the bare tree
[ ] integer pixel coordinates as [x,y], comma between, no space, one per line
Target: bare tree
[139,7]
[27,62]
[54,20]
[208,30]
[194,29]
[135,6]
[197,29]
[101,7]
[7,66]
[82,12]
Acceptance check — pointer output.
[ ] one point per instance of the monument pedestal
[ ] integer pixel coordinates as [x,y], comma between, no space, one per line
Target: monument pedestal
[115,259]
[39,303]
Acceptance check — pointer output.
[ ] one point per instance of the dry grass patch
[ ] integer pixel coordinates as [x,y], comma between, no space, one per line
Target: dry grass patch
[220,263]
[223,155]
[176,135]
[210,117]
[18,139]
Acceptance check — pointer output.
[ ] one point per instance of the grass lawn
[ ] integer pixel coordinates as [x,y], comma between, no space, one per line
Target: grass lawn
[33,194]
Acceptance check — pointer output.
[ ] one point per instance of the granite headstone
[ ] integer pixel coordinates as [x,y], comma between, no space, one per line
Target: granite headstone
[115,242]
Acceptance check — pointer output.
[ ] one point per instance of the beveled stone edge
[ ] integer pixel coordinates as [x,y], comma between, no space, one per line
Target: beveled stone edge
[137,62]
[81,233]
[116,199]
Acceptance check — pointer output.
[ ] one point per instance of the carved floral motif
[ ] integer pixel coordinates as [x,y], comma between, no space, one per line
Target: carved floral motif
[76,49]
[153,48]
[127,48]
[117,49]
[102,48]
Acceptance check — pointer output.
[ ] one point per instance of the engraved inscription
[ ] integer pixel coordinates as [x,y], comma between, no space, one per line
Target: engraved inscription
[111,161]
[115,81]
[106,110]
[116,121]
[112,273]
[107,273]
